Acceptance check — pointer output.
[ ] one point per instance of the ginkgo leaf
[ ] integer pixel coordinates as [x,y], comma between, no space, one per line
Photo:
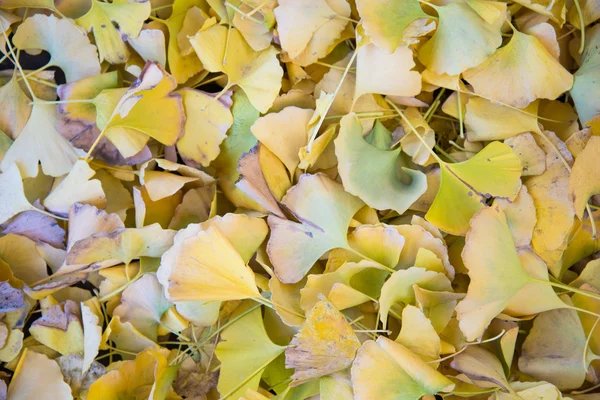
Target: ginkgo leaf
[121,246]
[12,197]
[76,187]
[554,210]
[205,128]
[494,171]
[556,10]
[253,167]
[244,351]
[567,344]
[207,267]
[519,73]
[128,15]
[520,216]
[463,39]
[482,367]
[533,158]
[493,286]
[69,48]
[395,75]
[161,184]
[92,337]
[125,337]
[14,108]
[40,142]
[37,227]
[149,376]
[349,285]
[49,382]
[150,45]
[182,66]
[381,243]
[60,328]
[308,29]
[387,370]
[385,22]
[257,73]
[143,304]
[418,335]
[284,133]
[258,31]
[399,288]
[583,182]
[378,177]
[75,376]
[325,344]
[294,247]
[23,257]
[149,108]
[410,143]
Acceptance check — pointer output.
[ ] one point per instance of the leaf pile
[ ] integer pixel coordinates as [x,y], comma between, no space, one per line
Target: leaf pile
[299,199]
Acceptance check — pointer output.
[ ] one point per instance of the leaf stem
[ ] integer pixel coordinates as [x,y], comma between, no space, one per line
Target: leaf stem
[337,89]
[242,13]
[570,289]
[582,24]
[61,101]
[256,9]
[17,63]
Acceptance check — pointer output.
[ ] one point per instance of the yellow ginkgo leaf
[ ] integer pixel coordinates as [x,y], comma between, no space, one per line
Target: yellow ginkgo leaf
[207,267]
[387,370]
[416,238]
[244,351]
[14,108]
[12,197]
[482,367]
[533,158]
[386,21]
[567,342]
[294,247]
[69,48]
[325,344]
[92,336]
[410,143]
[494,171]
[49,381]
[148,376]
[462,40]
[583,182]
[150,45]
[519,73]
[381,243]
[439,306]
[40,142]
[520,216]
[257,73]
[389,74]
[127,14]
[142,304]
[60,328]
[254,168]
[257,31]
[349,285]
[496,274]
[76,187]
[149,109]
[308,29]
[373,174]
[205,128]
[554,210]
[399,288]
[125,337]
[121,246]
[284,134]
[418,335]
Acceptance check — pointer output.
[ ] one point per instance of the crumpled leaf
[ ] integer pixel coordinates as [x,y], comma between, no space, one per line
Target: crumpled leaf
[583,182]
[325,344]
